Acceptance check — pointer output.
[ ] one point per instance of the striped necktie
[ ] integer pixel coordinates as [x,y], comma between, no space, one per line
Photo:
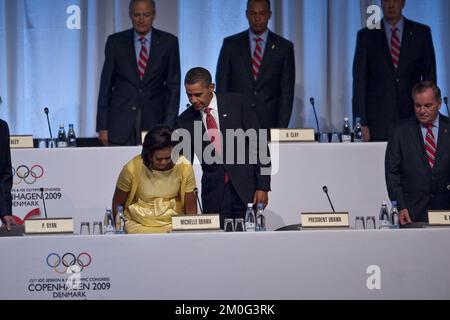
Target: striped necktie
[143,58]
[395,48]
[430,145]
[257,58]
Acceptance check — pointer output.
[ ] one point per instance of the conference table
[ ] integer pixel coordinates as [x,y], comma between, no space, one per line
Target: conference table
[339,264]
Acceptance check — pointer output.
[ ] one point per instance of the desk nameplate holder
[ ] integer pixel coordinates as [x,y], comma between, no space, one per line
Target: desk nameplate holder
[49,226]
[327,220]
[21,142]
[439,218]
[292,135]
[205,222]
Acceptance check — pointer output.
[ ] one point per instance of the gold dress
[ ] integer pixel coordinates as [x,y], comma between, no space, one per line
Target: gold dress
[154,196]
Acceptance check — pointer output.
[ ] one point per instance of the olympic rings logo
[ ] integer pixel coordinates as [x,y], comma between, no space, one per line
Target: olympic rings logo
[28,175]
[62,264]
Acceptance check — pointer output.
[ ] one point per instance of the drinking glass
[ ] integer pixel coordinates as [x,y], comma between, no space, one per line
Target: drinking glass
[239,226]
[85,229]
[228,225]
[360,223]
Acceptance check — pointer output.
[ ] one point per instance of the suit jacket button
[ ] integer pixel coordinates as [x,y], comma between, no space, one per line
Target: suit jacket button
[140,90]
[255,93]
[134,108]
[254,105]
[398,80]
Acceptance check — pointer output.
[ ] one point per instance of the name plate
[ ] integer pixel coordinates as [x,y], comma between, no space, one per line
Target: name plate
[205,222]
[21,142]
[49,226]
[292,135]
[325,220]
[439,218]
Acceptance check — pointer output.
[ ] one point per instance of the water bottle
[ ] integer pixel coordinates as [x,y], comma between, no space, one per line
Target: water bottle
[260,218]
[108,223]
[250,221]
[395,216]
[358,133]
[62,139]
[120,221]
[346,132]
[385,221]
[71,137]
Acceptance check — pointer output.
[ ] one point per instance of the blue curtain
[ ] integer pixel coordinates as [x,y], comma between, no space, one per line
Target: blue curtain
[43,63]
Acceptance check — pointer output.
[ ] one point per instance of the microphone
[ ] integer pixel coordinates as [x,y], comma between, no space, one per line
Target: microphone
[48,122]
[198,200]
[43,202]
[446,103]
[313,104]
[325,189]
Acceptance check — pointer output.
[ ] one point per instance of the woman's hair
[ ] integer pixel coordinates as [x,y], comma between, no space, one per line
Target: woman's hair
[158,138]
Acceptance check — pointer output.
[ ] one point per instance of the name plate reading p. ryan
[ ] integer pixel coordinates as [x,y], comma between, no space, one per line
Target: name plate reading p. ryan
[49,226]
[21,142]
[439,218]
[205,222]
[325,220]
[292,135]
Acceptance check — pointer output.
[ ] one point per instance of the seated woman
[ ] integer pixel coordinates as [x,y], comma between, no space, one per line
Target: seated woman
[152,188]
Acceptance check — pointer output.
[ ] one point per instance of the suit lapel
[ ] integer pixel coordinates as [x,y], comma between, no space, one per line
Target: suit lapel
[384,45]
[269,51]
[407,44]
[131,56]
[443,139]
[417,139]
[246,53]
[154,55]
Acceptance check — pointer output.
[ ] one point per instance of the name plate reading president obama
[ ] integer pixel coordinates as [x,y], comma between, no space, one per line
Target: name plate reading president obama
[292,135]
[205,222]
[325,220]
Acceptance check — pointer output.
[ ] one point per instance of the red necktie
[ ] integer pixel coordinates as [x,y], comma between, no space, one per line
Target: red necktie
[214,134]
[257,58]
[143,58]
[430,145]
[395,48]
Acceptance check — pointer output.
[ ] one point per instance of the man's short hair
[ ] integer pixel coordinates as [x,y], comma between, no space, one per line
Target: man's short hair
[250,1]
[132,2]
[425,85]
[197,75]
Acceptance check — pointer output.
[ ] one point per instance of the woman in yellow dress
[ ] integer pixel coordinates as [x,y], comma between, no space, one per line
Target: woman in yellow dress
[152,187]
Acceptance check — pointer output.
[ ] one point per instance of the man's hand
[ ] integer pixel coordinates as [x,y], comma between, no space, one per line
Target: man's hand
[366,134]
[103,137]
[261,197]
[9,222]
[404,217]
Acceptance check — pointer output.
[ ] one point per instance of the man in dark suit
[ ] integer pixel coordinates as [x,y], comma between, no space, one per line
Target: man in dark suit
[6,179]
[140,83]
[260,65]
[418,158]
[388,63]
[231,179]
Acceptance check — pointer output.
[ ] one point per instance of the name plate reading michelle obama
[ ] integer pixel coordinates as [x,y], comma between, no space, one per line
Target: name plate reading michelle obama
[439,218]
[21,142]
[205,222]
[292,135]
[49,226]
[325,220]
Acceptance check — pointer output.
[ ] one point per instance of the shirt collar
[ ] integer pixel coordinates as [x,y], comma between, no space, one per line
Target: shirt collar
[212,104]
[148,36]
[263,36]
[400,25]
[435,123]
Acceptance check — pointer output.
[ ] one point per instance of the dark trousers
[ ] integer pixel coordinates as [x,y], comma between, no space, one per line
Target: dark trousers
[232,205]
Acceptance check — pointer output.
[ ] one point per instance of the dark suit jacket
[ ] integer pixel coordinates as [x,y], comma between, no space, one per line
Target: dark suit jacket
[409,177]
[272,94]
[246,178]
[382,94]
[122,92]
[6,179]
